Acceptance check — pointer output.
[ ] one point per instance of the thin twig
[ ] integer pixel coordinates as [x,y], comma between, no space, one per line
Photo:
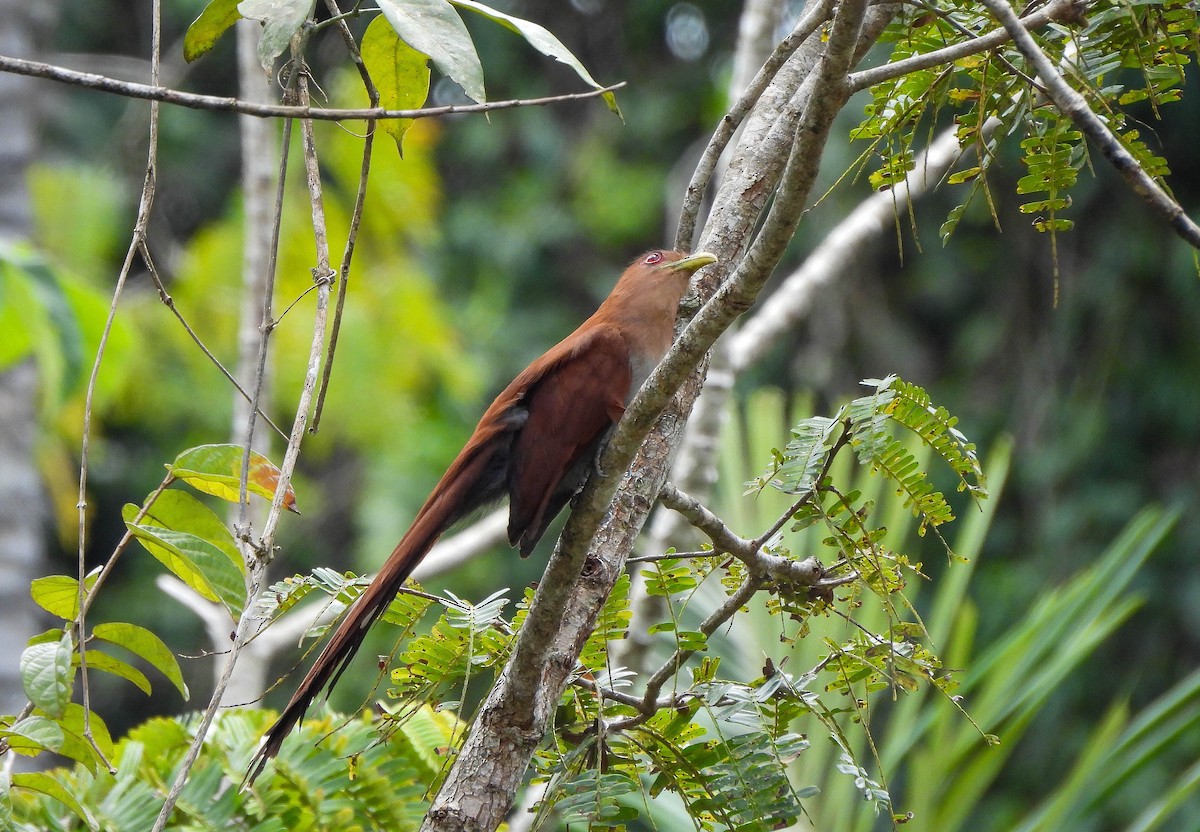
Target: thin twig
[772,568]
[139,235]
[355,215]
[125,540]
[1075,107]
[809,495]
[153,92]
[252,555]
[256,554]
[169,302]
[708,626]
[722,537]
[323,277]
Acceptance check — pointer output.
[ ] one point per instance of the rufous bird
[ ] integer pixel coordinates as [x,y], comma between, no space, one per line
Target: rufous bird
[536,444]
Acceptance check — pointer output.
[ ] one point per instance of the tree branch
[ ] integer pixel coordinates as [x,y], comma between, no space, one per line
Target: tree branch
[1056,10]
[814,16]
[153,92]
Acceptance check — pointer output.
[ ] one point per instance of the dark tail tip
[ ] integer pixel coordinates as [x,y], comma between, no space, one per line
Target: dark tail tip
[272,742]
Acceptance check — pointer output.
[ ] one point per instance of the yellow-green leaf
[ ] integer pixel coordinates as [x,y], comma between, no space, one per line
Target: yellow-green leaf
[434,28]
[75,745]
[192,542]
[400,73]
[38,781]
[33,735]
[59,594]
[207,29]
[143,643]
[111,664]
[216,470]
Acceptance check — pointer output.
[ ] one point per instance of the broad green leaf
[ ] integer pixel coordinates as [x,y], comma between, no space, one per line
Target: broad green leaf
[207,29]
[74,743]
[181,512]
[434,28]
[46,675]
[33,735]
[38,781]
[111,664]
[281,19]
[43,638]
[187,538]
[541,39]
[143,643]
[400,73]
[59,594]
[14,305]
[216,470]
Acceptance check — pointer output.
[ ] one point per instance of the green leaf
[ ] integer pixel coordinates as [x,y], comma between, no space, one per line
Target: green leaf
[400,73]
[434,28]
[59,594]
[48,636]
[111,664]
[6,815]
[281,19]
[594,798]
[217,469]
[33,735]
[14,318]
[75,745]
[38,781]
[143,643]
[207,29]
[180,511]
[541,39]
[46,675]
[187,538]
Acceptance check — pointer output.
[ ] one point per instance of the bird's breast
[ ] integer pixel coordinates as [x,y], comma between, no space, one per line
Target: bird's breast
[640,367]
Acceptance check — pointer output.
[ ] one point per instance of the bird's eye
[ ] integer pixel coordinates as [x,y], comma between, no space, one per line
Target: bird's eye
[652,258]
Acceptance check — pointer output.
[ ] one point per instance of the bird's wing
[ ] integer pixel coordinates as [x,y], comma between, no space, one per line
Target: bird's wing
[576,398]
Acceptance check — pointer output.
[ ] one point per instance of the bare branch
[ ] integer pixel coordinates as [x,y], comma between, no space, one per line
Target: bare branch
[722,537]
[814,16]
[153,92]
[169,302]
[1076,108]
[355,215]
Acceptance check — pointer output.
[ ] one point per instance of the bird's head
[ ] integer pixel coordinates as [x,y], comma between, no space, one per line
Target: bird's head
[665,270]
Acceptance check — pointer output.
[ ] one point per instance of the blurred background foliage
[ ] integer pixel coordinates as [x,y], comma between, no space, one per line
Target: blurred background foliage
[495,236]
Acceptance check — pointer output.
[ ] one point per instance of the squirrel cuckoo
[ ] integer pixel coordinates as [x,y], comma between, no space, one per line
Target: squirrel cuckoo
[535,444]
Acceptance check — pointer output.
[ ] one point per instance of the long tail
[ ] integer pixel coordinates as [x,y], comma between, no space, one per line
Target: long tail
[454,496]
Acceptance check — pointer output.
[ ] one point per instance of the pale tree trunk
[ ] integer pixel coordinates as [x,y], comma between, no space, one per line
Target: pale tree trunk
[22,512]
[259,151]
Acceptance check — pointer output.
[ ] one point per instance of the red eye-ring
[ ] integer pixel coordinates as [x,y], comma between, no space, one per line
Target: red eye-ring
[655,257]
